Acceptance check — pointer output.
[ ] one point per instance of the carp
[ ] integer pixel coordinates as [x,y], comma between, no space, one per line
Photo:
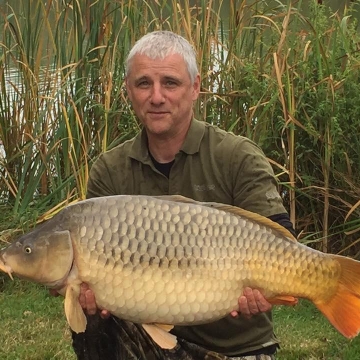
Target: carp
[174,261]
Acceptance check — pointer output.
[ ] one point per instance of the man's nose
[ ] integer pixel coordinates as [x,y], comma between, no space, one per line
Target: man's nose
[157,96]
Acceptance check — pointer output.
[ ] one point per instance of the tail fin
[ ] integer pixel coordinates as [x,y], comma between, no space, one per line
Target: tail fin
[343,309]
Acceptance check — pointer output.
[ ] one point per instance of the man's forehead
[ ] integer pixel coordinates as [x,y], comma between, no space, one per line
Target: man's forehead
[173,62]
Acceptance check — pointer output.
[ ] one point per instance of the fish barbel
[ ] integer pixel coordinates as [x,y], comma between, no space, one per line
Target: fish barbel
[172,260]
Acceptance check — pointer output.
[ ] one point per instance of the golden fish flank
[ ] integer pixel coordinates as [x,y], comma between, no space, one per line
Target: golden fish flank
[172,260]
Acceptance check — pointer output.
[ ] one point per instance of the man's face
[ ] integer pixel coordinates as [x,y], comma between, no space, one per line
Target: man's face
[161,93]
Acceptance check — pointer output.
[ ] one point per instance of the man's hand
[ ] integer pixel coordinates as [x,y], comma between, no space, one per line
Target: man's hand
[252,302]
[88,303]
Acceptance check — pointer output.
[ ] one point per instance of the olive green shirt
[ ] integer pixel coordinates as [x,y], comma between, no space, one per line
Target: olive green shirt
[212,165]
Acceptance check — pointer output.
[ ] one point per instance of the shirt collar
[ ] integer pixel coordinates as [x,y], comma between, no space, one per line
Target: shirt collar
[193,138]
[139,150]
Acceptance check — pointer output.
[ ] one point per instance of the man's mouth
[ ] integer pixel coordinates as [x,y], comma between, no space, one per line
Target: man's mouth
[158,114]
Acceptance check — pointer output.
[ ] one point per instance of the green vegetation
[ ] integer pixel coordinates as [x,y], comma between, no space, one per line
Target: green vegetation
[289,82]
[33,323]
[305,334]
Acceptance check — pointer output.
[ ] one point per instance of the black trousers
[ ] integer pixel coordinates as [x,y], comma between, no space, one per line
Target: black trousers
[115,339]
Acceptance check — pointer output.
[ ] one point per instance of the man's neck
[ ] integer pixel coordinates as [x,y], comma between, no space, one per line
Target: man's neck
[164,148]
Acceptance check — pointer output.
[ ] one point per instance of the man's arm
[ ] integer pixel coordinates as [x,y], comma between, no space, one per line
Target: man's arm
[283,219]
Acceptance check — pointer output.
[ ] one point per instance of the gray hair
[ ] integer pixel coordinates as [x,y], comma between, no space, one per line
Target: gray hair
[159,44]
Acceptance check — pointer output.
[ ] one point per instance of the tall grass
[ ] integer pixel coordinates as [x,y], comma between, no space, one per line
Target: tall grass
[289,82]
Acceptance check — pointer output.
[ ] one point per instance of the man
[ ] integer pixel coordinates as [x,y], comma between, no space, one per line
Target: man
[176,154]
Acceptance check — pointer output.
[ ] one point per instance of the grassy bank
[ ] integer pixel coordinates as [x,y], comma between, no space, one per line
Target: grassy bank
[305,334]
[34,328]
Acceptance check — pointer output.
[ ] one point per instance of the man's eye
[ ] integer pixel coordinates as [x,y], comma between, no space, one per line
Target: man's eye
[143,84]
[170,83]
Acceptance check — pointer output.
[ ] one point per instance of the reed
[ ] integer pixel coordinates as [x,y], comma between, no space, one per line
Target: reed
[289,82]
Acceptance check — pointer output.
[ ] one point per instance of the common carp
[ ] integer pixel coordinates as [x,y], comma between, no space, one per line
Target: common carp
[172,260]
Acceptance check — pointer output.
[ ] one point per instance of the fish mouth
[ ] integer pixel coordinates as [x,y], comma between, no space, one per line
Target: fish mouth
[5,268]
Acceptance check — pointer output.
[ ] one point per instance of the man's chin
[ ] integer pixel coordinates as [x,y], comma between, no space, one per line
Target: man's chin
[158,127]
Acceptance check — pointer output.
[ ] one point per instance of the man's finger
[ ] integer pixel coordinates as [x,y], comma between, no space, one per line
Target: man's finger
[104,314]
[244,306]
[251,302]
[262,304]
[90,302]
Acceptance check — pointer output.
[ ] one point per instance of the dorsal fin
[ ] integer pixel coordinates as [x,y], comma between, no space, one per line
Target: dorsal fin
[178,198]
[261,220]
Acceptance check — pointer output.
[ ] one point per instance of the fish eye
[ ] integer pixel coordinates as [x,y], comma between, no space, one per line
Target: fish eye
[27,249]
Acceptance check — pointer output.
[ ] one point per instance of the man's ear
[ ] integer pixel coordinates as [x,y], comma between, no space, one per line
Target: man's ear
[196,87]
[128,89]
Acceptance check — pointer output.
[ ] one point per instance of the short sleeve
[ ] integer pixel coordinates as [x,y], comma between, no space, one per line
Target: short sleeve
[100,180]
[254,185]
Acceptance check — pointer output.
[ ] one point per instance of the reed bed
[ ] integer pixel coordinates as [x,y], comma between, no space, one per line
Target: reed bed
[289,82]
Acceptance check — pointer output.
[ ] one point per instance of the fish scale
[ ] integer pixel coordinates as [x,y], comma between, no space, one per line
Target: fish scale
[173,260]
[171,248]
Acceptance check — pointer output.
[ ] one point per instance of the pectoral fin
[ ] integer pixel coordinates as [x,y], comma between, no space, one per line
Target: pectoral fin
[160,334]
[73,310]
